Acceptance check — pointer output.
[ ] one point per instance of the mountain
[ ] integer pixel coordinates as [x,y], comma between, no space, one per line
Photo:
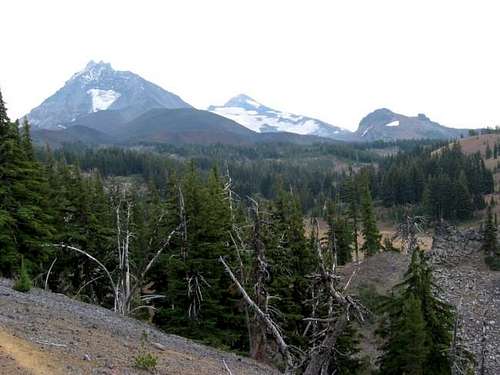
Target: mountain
[184,125]
[97,88]
[383,124]
[160,125]
[262,119]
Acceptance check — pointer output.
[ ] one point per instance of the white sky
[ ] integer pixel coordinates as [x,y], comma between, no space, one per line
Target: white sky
[334,60]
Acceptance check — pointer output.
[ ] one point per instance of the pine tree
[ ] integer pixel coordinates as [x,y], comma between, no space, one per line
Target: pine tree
[340,235]
[463,198]
[405,351]
[290,263]
[199,304]
[490,244]
[371,233]
[24,210]
[352,197]
[438,321]
[23,283]
[488,152]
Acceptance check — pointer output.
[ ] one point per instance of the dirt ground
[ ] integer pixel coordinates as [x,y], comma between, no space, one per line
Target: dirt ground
[43,333]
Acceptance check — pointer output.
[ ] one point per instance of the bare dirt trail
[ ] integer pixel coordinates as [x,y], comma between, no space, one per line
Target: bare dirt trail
[18,356]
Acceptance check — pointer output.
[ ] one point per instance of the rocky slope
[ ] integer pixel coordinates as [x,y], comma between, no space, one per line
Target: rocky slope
[43,333]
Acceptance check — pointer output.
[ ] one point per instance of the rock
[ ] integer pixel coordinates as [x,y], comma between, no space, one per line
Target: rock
[159,346]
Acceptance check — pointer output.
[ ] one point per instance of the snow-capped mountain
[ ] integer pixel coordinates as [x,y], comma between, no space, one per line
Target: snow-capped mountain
[99,87]
[260,118]
[383,124]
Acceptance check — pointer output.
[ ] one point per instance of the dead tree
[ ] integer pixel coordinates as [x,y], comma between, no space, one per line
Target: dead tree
[407,231]
[461,360]
[266,320]
[258,337]
[124,284]
[340,309]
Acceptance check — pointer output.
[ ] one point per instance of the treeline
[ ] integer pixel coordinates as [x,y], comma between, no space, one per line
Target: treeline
[313,178]
[445,182]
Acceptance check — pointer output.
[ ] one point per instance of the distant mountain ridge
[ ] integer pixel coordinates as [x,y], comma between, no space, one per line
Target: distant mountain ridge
[101,105]
[383,124]
[262,119]
[98,87]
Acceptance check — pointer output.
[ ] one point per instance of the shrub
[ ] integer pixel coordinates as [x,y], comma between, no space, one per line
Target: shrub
[144,360]
[23,283]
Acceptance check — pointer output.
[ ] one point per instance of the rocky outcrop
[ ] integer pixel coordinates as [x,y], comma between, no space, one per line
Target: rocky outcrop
[450,246]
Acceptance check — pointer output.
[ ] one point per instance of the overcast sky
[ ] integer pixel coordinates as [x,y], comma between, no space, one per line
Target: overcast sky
[334,60]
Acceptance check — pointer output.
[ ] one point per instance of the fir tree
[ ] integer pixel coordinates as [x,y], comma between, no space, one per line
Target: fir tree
[488,151]
[406,350]
[490,244]
[24,210]
[340,235]
[371,233]
[463,198]
[23,283]
[290,263]
[438,320]
[352,198]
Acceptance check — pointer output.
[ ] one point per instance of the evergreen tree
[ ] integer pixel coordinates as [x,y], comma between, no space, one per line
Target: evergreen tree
[340,235]
[290,263]
[488,152]
[24,210]
[352,199]
[437,317]
[490,244]
[23,283]
[371,233]
[198,303]
[462,198]
[405,350]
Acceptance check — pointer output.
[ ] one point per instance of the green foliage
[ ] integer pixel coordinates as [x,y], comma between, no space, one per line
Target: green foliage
[448,183]
[25,220]
[23,282]
[490,242]
[418,331]
[291,260]
[145,360]
[405,351]
[370,231]
[198,303]
[340,234]
[346,357]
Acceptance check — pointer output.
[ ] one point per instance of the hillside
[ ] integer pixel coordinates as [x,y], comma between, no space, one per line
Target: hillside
[42,333]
